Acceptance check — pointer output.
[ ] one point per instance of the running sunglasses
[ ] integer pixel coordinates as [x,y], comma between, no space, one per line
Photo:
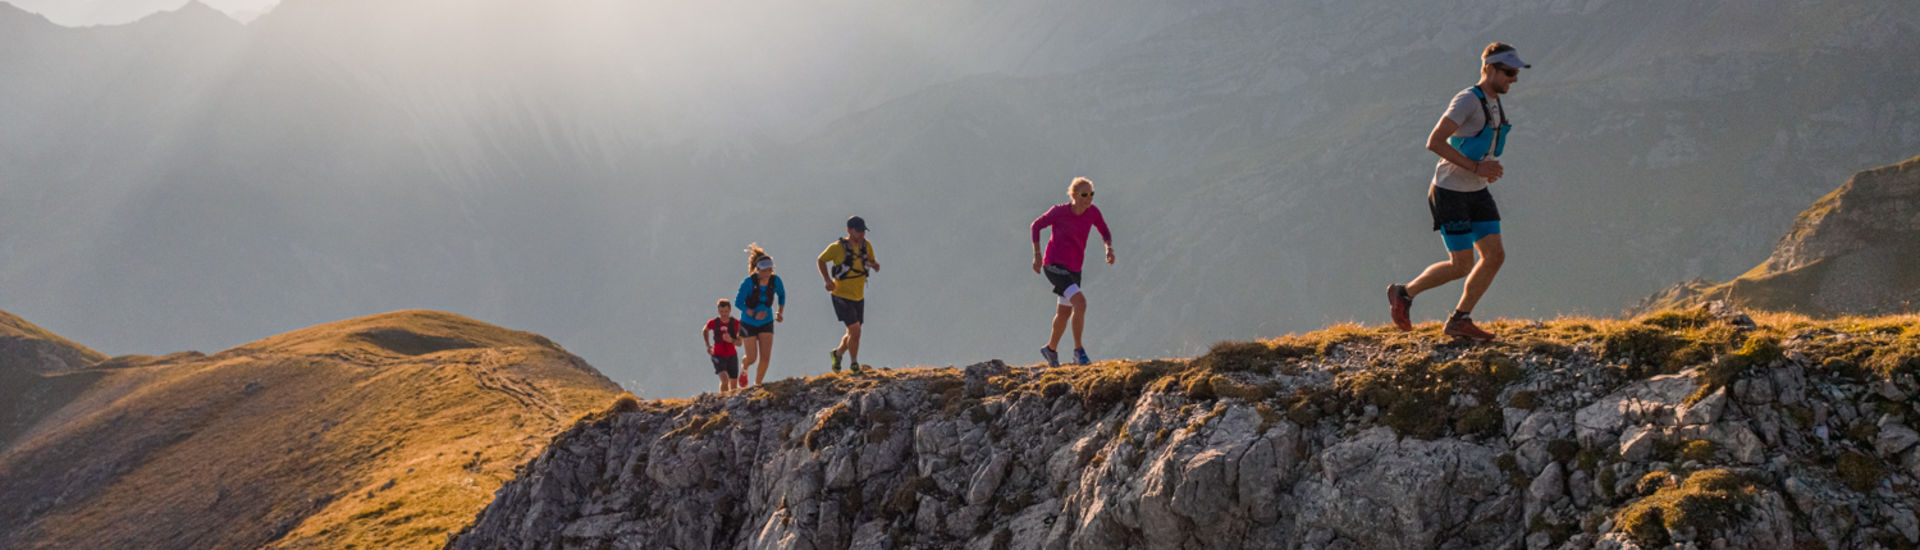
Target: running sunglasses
[1087,194]
[1509,71]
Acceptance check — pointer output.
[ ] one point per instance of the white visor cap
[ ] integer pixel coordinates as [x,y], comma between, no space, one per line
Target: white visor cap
[1509,58]
[764,264]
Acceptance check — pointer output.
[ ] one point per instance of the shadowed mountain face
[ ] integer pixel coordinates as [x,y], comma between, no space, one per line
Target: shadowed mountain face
[383,432]
[591,170]
[39,370]
[1855,251]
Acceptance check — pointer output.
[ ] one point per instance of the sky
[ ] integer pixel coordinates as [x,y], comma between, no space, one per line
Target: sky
[592,172]
[82,13]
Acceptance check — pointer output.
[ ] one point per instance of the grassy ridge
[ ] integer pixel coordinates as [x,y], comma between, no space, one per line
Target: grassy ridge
[383,432]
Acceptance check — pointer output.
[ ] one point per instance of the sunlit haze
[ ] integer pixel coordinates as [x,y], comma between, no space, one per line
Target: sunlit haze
[591,170]
[81,13]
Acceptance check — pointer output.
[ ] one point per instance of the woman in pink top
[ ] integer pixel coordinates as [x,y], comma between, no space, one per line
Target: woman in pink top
[1066,250]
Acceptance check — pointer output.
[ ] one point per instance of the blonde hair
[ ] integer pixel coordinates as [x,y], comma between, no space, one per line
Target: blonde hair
[723,302]
[1076,183]
[754,255]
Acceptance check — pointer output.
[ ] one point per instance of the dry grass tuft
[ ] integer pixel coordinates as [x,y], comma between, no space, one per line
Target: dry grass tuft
[1708,501]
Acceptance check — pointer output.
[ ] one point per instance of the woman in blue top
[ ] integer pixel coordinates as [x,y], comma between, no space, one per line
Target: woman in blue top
[757,298]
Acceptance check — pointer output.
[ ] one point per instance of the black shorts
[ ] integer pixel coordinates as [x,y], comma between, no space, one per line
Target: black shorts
[1454,212]
[850,312]
[726,365]
[749,331]
[1061,277]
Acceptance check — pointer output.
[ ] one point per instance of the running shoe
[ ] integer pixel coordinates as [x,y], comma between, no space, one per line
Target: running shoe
[1053,357]
[1399,302]
[1080,356]
[835,354]
[743,381]
[1461,328]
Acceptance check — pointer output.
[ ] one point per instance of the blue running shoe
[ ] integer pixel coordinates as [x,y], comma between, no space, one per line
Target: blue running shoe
[1053,357]
[1080,356]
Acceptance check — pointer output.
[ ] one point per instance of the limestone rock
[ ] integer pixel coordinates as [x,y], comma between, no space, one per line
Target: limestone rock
[1895,439]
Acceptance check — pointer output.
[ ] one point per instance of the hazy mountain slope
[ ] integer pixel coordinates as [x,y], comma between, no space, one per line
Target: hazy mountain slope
[39,372]
[1855,251]
[1258,194]
[383,431]
[591,170]
[1680,427]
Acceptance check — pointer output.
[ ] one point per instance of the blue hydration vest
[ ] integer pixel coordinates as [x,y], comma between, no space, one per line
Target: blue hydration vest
[1491,137]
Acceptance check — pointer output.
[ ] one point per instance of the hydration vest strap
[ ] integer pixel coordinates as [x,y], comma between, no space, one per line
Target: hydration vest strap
[846,270]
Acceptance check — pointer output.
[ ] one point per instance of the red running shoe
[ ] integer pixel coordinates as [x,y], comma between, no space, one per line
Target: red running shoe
[1461,328]
[1399,302]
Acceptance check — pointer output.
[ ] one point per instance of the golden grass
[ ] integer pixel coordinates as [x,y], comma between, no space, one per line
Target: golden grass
[12,326]
[283,443]
[1708,501]
[1413,378]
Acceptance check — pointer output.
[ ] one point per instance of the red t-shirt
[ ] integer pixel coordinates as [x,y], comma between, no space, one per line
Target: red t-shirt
[723,348]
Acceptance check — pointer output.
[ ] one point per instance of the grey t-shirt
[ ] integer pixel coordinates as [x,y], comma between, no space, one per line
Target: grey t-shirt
[1465,110]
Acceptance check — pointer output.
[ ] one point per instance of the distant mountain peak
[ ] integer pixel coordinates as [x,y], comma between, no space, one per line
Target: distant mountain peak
[399,333]
[1854,251]
[10,13]
[193,12]
[25,346]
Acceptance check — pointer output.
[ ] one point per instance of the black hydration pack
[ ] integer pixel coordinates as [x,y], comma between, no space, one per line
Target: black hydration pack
[845,270]
[754,297]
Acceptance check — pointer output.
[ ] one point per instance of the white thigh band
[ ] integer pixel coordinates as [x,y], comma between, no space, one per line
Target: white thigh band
[1067,295]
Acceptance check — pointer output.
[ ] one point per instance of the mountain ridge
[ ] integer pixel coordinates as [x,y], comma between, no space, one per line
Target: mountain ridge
[378,431]
[1852,252]
[1702,428]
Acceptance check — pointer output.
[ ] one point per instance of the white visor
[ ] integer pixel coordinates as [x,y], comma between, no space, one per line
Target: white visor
[764,264]
[1509,58]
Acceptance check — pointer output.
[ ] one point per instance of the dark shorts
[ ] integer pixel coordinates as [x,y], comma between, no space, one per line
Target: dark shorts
[1455,212]
[749,331]
[850,312]
[1061,277]
[728,365]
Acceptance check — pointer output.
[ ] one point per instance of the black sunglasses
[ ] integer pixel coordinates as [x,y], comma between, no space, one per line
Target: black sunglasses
[1087,194]
[1509,71]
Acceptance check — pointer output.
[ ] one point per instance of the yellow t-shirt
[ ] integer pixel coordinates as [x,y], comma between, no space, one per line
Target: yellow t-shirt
[854,288]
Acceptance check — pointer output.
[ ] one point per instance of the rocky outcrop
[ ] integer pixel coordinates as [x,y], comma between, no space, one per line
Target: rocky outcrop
[1856,250]
[1687,428]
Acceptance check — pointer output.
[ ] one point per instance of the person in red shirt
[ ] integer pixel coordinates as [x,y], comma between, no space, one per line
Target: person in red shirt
[719,335]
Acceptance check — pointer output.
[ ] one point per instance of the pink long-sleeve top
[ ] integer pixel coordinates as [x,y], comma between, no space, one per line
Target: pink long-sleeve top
[1068,244]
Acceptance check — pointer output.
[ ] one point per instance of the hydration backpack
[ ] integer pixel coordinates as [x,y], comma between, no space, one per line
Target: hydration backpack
[754,297]
[845,270]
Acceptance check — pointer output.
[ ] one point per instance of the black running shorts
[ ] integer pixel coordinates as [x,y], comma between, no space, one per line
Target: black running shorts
[1454,212]
[850,312]
[1061,277]
[749,331]
[728,365]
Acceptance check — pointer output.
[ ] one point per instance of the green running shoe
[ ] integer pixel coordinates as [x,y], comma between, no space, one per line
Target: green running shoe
[835,354]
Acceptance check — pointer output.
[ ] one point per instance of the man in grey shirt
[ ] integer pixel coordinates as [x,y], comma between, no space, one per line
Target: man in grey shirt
[1468,139]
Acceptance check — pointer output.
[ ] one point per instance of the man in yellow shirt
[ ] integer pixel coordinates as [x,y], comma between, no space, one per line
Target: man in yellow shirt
[853,259]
